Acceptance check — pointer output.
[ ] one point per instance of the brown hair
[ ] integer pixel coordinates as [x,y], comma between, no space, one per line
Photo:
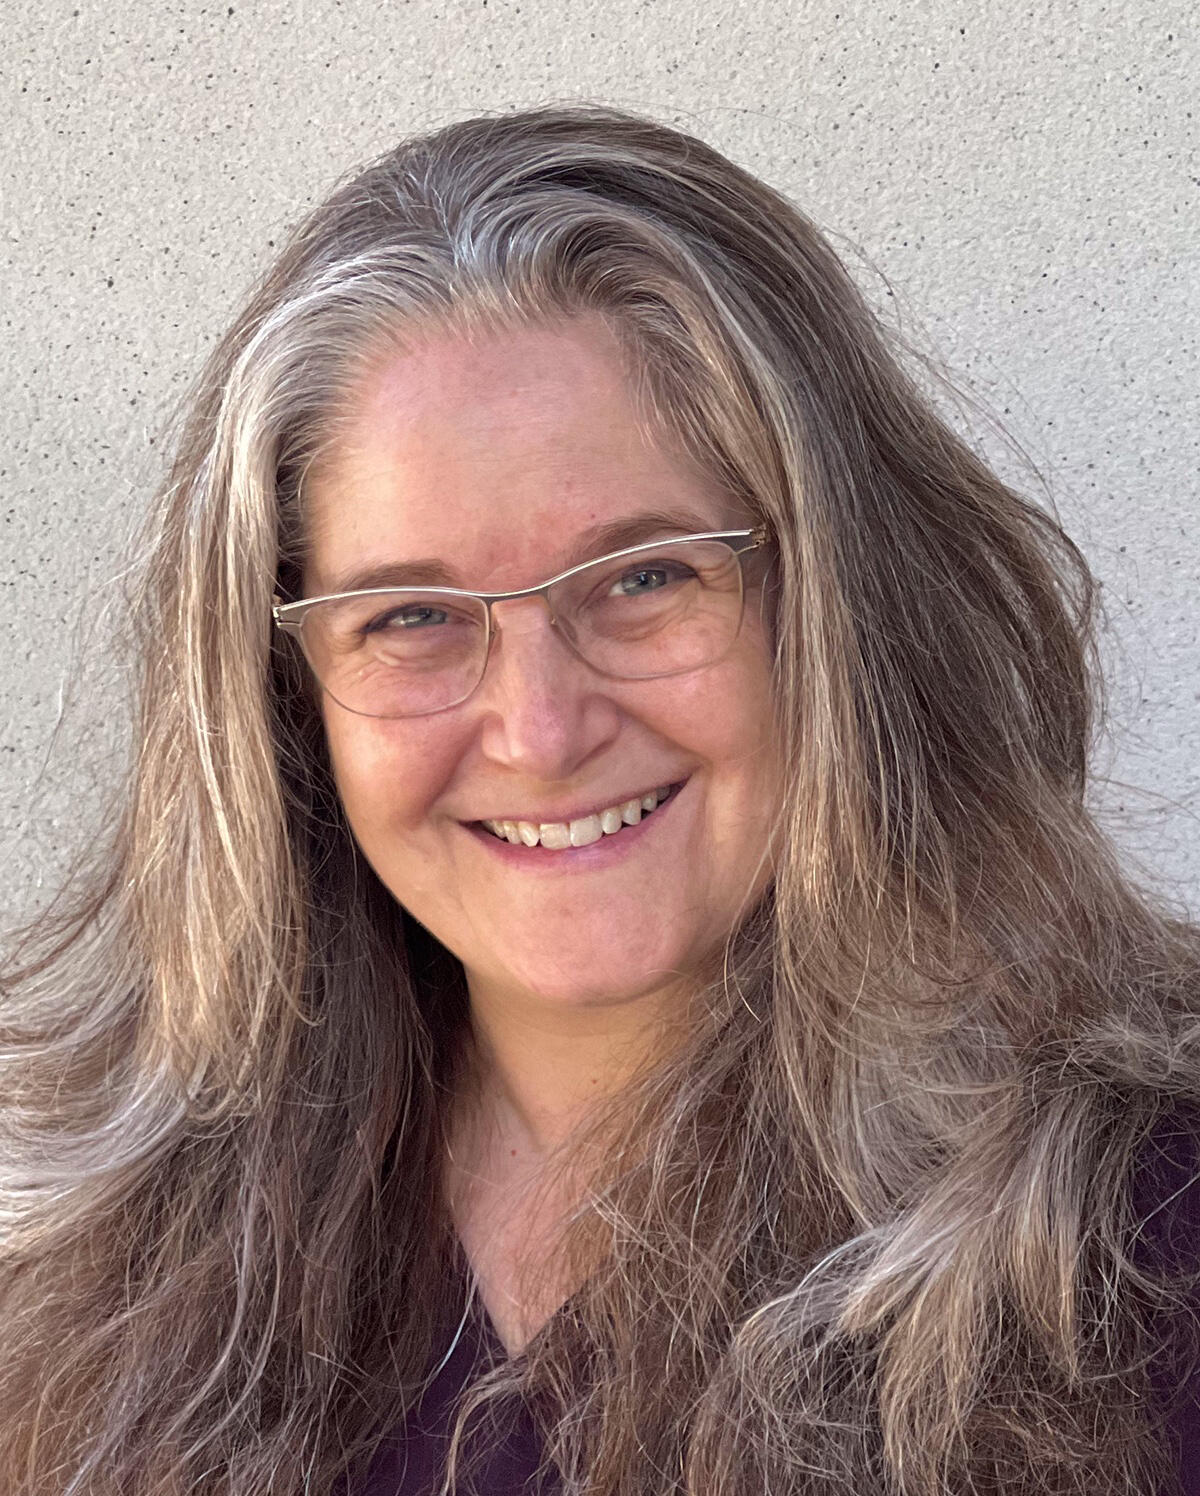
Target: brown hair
[874,1233]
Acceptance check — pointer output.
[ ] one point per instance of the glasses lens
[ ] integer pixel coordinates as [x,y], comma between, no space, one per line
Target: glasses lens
[397,654]
[662,610]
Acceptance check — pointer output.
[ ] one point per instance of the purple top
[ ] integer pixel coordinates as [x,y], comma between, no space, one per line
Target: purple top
[411,1462]
[1166,1199]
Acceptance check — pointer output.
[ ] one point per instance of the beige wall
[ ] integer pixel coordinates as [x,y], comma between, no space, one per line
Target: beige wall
[1027,178]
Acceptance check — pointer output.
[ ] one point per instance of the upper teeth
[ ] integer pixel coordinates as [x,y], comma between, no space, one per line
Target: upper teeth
[557,835]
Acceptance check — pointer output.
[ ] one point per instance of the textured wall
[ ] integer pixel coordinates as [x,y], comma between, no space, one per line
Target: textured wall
[1026,178]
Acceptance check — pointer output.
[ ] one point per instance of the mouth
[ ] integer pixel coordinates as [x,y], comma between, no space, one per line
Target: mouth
[560,836]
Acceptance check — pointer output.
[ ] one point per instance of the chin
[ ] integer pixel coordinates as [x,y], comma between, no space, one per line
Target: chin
[584,984]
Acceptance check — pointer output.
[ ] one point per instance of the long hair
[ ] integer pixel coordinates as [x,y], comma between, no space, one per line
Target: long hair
[871,1229]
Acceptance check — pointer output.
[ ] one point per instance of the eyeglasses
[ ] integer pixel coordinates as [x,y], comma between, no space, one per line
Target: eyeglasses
[651,610]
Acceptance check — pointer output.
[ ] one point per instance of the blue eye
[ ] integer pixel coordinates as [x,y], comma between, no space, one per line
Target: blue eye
[412,616]
[652,578]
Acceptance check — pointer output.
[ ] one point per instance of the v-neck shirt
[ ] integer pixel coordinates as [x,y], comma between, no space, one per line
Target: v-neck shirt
[411,1462]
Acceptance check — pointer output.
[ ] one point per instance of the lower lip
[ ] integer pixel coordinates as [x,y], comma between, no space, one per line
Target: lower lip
[597,855]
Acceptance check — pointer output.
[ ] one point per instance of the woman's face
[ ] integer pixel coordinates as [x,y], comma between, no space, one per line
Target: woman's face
[499,458]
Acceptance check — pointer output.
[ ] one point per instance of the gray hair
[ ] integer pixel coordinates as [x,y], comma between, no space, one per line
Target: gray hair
[866,1228]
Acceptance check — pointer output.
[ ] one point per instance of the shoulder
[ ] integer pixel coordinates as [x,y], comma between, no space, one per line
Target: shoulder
[1164,1197]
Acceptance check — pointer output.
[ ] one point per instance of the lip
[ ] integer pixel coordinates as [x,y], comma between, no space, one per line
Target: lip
[593,809]
[599,854]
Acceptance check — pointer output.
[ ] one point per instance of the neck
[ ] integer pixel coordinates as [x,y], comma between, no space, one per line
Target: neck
[537,1074]
[540,1069]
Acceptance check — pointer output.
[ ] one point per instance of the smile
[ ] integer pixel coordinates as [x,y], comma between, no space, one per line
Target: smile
[558,836]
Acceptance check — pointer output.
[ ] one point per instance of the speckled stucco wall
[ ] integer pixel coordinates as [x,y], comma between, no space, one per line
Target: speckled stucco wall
[1026,178]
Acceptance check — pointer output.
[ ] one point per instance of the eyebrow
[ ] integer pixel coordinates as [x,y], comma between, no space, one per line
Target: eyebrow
[596,541]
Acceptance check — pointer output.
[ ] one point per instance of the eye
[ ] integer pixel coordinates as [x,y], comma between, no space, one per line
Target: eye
[650,577]
[409,616]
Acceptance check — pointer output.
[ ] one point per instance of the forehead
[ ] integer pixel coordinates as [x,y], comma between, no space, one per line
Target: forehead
[495,455]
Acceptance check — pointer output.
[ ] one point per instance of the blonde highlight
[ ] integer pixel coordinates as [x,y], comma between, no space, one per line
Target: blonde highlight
[868,1227]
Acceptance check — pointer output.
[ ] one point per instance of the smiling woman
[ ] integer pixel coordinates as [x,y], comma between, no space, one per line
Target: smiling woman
[508,452]
[605,980]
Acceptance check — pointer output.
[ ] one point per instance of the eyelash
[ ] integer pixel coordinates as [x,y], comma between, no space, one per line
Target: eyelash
[671,571]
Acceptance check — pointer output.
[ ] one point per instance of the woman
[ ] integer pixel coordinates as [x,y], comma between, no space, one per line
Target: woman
[605,957]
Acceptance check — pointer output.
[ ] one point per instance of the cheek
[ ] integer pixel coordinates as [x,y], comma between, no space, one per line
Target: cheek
[728,720]
[387,774]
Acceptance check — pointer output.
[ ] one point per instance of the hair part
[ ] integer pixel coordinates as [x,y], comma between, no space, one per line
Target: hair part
[873,1233]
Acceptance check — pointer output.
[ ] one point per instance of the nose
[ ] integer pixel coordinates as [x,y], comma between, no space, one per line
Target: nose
[544,711]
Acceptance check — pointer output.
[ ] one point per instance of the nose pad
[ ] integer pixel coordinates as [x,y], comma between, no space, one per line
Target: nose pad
[563,630]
